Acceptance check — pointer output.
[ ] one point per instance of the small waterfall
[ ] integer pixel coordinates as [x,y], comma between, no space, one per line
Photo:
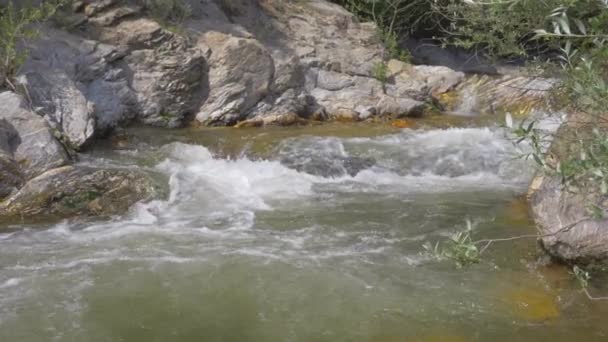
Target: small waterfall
[468,103]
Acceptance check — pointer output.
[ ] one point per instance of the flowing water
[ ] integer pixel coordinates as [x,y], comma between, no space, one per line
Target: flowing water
[299,234]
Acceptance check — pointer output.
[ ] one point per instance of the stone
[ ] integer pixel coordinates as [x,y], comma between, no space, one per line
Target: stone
[166,84]
[241,74]
[567,232]
[79,191]
[81,88]
[32,143]
[420,81]
[65,107]
[11,177]
[518,95]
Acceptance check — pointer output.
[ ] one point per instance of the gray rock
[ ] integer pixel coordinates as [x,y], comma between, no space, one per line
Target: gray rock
[241,74]
[76,191]
[80,87]
[33,145]
[519,95]
[65,107]
[323,157]
[567,232]
[166,83]
[11,177]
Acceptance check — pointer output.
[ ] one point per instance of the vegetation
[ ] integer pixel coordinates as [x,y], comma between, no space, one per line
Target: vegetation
[17,26]
[459,248]
[380,72]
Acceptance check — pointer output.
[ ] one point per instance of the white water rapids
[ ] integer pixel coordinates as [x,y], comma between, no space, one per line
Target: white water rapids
[320,241]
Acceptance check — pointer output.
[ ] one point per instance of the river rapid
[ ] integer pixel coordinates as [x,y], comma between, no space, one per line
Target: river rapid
[298,234]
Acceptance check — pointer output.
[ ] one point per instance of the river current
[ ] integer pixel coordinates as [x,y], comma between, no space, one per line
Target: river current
[299,234]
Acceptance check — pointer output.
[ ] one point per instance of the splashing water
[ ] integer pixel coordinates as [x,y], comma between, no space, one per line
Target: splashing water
[320,240]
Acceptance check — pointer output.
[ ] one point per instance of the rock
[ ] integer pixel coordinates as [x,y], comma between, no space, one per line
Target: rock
[81,88]
[420,81]
[76,191]
[167,84]
[429,52]
[354,98]
[567,232]
[518,95]
[288,119]
[241,74]
[65,107]
[11,177]
[323,157]
[31,142]
[399,107]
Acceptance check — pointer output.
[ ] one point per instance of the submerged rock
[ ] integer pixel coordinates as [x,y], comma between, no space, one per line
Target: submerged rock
[75,191]
[323,157]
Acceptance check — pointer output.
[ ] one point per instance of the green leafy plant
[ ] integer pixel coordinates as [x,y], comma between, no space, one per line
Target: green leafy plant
[584,277]
[459,248]
[380,72]
[579,155]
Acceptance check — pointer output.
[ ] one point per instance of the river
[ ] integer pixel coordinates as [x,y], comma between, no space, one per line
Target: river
[298,234]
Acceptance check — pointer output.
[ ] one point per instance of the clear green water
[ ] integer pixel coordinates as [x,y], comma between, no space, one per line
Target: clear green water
[248,248]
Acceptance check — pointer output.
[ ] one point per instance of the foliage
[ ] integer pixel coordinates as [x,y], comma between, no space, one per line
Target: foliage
[392,18]
[459,248]
[16,26]
[505,28]
[579,156]
[380,72]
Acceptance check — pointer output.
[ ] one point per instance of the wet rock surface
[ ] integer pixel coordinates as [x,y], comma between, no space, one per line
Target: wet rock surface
[79,191]
[567,231]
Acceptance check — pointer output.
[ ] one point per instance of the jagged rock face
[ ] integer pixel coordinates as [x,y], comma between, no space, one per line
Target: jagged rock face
[120,67]
[567,231]
[11,177]
[241,74]
[518,95]
[253,61]
[27,139]
[80,87]
[271,59]
[240,62]
[75,191]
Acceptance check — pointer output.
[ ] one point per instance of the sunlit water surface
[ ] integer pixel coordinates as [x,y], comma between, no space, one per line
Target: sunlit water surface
[300,234]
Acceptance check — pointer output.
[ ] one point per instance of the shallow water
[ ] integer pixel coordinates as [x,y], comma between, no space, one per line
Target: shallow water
[300,234]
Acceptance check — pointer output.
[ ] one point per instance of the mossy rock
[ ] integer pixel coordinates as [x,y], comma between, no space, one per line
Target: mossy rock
[79,191]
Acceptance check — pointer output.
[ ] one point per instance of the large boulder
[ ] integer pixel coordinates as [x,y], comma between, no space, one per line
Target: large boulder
[272,60]
[81,88]
[515,94]
[166,71]
[241,73]
[567,231]
[28,139]
[57,96]
[79,191]
[11,177]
